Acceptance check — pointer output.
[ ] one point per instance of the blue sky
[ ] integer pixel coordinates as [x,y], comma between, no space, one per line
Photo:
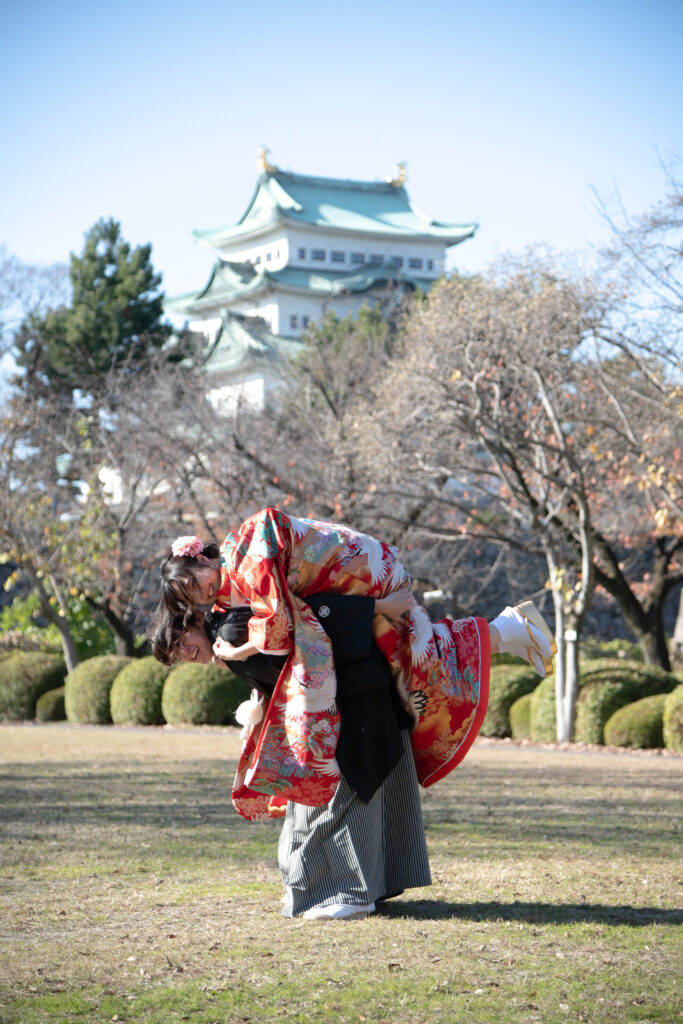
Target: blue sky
[506,113]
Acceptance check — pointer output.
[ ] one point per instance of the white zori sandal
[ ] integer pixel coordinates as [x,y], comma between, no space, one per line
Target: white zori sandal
[340,912]
[525,633]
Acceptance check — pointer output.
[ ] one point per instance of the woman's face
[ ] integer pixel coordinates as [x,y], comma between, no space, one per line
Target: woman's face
[194,645]
[207,581]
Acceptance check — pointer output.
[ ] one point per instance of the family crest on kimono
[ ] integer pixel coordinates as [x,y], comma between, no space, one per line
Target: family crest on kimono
[275,568]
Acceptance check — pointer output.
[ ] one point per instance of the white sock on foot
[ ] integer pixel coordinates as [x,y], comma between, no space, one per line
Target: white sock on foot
[338,911]
[523,638]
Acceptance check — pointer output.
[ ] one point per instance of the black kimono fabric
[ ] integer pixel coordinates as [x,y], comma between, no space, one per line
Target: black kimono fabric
[370,743]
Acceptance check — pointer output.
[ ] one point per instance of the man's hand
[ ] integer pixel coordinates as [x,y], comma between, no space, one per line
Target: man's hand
[225,650]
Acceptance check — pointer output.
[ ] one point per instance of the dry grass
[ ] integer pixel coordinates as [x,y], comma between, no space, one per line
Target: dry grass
[133,892]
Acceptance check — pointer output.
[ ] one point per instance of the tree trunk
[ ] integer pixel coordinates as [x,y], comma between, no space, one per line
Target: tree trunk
[68,646]
[571,683]
[125,645]
[677,641]
[562,727]
[570,610]
[124,637]
[653,645]
[645,619]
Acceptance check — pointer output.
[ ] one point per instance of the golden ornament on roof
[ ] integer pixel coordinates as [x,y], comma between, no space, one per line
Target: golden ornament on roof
[263,163]
[400,176]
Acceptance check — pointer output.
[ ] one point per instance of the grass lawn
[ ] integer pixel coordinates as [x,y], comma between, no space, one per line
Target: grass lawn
[131,891]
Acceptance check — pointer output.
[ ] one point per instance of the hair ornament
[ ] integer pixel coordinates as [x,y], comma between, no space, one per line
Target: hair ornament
[187,547]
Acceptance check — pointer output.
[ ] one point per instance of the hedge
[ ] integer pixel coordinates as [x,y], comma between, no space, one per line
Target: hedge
[618,668]
[87,688]
[673,720]
[638,724]
[24,677]
[50,707]
[201,695]
[605,686]
[135,697]
[542,717]
[507,684]
[520,718]
[608,686]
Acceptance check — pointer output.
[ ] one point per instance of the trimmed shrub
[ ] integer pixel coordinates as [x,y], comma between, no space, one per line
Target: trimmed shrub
[608,686]
[507,684]
[87,688]
[135,697]
[615,669]
[202,695]
[673,720]
[50,707]
[542,716]
[593,648]
[638,724]
[24,677]
[520,718]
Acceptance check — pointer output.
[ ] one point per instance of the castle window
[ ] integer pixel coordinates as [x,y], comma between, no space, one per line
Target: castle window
[430,264]
[415,263]
[301,254]
[304,321]
[357,257]
[396,261]
[294,321]
[337,256]
[257,260]
[376,258]
[317,254]
[269,256]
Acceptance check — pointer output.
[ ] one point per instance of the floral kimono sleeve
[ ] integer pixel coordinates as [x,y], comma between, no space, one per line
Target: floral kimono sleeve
[257,561]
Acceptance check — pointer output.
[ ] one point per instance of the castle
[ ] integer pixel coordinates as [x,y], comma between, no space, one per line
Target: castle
[303,247]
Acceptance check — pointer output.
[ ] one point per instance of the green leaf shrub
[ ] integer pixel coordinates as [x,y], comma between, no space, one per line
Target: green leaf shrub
[606,685]
[520,718]
[673,720]
[593,648]
[507,683]
[542,715]
[50,707]
[609,685]
[618,669]
[638,724]
[24,676]
[90,633]
[201,695]
[135,697]
[87,688]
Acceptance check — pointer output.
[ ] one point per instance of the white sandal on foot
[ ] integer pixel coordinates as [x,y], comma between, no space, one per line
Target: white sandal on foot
[525,633]
[340,912]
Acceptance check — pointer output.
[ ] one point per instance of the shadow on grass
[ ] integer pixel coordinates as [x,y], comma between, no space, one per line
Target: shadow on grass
[532,913]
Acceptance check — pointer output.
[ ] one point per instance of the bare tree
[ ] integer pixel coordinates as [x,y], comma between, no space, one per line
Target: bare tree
[25,289]
[505,408]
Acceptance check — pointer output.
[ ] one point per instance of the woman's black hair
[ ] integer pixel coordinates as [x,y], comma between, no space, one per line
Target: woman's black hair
[165,633]
[231,625]
[177,578]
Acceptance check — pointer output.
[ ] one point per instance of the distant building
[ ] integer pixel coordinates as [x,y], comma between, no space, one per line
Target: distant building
[306,246]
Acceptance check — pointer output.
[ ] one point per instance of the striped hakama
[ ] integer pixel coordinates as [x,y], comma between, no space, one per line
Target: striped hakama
[352,852]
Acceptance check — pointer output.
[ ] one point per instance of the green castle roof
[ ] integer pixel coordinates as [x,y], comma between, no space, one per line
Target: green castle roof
[371,208]
[230,281]
[246,341]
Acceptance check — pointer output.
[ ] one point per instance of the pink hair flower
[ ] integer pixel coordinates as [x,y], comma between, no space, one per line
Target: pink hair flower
[187,547]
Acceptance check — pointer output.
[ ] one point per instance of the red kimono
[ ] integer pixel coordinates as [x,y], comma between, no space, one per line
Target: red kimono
[441,670]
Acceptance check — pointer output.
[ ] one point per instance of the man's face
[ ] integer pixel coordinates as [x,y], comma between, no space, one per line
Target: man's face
[195,646]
